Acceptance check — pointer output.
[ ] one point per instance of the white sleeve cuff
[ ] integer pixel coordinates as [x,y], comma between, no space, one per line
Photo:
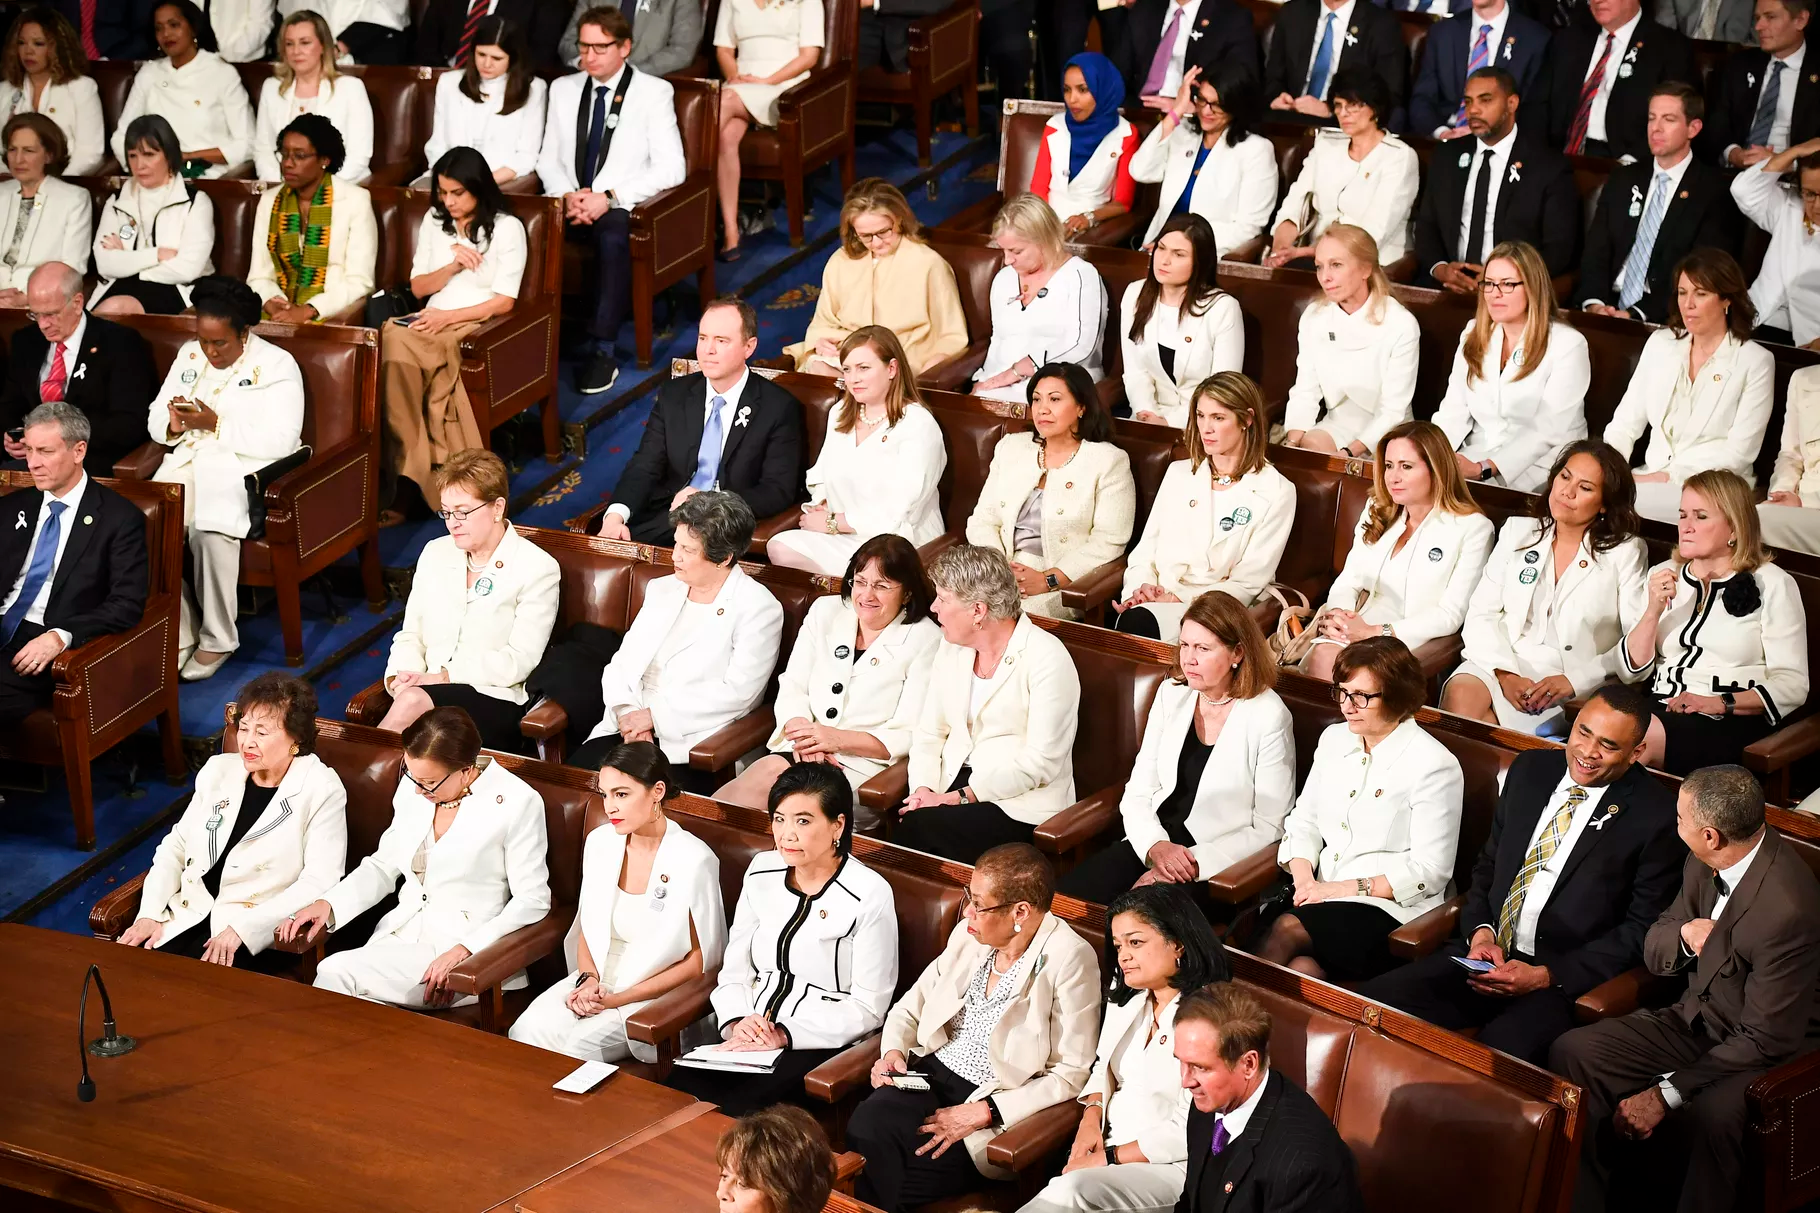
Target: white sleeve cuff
[1670,1096]
[64,635]
[620,510]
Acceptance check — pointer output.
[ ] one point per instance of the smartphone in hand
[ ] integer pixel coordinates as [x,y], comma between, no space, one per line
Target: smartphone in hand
[1474,966]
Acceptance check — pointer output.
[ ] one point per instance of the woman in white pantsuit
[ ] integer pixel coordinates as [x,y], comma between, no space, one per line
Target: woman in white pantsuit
[468,839]
[1359,174]
[1791,513]
[880,464]
[650,917]
[1210,159]
[1176,326]
[42,217]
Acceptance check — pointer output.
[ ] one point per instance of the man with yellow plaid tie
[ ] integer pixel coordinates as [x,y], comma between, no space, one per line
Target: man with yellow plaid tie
[1581,859]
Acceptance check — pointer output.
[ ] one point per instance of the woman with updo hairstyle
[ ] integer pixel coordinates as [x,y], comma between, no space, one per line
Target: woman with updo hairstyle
[42,217]
[774,1161]
[649,918]
[44,70]
[315,240]
[305,81]
[231,406]
[273,808]
[192,87]
[463,889]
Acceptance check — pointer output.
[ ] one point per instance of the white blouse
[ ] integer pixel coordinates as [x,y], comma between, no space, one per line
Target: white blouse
[75,106]
[1199,345]
[1376,193]
[1139,1081]
[343,101]
[1518,424]
[505,140]
[1714,420]
[502,262]
[205,103]
[1354,363]
[1234,191]
[886,485]
[1064,323]
[1787,290]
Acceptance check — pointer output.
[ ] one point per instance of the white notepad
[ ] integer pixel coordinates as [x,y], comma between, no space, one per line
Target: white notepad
[718,1057]
[585,1077]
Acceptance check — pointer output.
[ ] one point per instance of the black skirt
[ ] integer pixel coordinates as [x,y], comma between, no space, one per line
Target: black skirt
[1694,741]
[496,718]
[1351,940]
[157,298]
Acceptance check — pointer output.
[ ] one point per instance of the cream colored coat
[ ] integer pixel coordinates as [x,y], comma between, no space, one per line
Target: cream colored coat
[60,229]
[1445,557]
[353,251]
[1724,421]
[1042,1046]
[75,106]
[912,293]
[1376,193]
[1198,540]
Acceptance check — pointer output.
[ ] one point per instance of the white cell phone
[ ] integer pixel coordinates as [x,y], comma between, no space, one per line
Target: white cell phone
[1474,965]
[911,1081]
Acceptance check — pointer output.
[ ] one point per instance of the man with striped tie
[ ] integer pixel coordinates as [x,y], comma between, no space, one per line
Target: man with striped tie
[1767,96]
[1311,39]
[1581,858]
[1600,79]
[445,29]
[1492,33]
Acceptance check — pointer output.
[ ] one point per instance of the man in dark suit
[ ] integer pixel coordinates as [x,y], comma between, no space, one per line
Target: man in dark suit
[1744,930]
[884,31]
[1313,38]
[102,368]
[443,25]
[1655,212]
[111,29]
[1256,1141]
[1600,79]
[1204,32]
[1491,34]
[723,428]
[1581,859]
[1062,34]
[1503,184]
[1766,97]
[72,561]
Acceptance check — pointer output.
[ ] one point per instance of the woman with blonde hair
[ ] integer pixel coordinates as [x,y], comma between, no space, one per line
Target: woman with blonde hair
[1726,674]
[1517,394]
[1221,518]
[883,274]
[43,70]
[1356,351]
[1416,554]
[863,483]
[1047,304]
[304,81]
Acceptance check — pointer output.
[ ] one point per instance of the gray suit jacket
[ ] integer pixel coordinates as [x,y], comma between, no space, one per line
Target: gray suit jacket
[666,34]
[1735,23]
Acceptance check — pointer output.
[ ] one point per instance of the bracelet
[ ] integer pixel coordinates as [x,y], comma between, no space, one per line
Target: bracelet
[1364,887]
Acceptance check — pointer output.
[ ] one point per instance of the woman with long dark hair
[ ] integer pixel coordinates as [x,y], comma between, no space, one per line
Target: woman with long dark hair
[1209,157]
[194,89]
[44,70]
[494,105]
[1177,326]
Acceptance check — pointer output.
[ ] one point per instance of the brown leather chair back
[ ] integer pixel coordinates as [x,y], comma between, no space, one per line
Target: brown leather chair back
[697,105]
[1020,135]
[566,807]
[1415,37]
[840,33]
[970,434]
[1117,689]
[369,774]
[1308,1045]
[398,95]
[1118,268]
[974,263]
[399,212]
[1355,497]
[236,206]
[1483,764]
[1272,303]
[1151,450]
[1307,561]
[596,585]
[253,77]
[113,80]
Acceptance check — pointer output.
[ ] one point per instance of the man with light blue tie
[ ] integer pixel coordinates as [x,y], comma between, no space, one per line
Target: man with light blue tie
[1313,37]
[72,561]
[1489,34]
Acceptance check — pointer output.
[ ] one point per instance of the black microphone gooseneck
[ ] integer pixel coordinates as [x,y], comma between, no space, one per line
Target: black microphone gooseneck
[110,1044]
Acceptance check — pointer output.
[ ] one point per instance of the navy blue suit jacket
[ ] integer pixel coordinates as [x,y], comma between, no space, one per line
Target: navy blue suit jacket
[1441,82]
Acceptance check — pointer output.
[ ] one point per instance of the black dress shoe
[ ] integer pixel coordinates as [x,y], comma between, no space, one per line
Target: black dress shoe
[597,375]
[728,256]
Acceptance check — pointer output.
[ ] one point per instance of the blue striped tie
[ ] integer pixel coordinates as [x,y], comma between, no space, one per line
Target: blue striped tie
[1636,266]
[1481,52]
[44,563]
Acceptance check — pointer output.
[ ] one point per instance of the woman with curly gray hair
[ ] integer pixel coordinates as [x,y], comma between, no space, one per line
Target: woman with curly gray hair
[993,755]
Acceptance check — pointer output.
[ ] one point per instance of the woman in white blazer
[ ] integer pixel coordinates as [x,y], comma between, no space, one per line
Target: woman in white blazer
[1561,591]
[1176,326]
[1083,164]
[482,604]
[1360,174]
[1131,1150]
[494,105]
[1702,387]
[879,471]
[195,90]
[1357,352]
[702,648]
[852,692]
[304,81]
[1790,515]
[1048,305]
[42,218]
[155,237]
[1221,518]
[298,281]
[264,835]
[1001,1025]
[1417,551]
[1371,841]
[467,840]
[230,406]
[1215,773]
[1210,159]
[1059,498]
[42,70]
[811,961]
[1517,393]
[992,757]
[650,917]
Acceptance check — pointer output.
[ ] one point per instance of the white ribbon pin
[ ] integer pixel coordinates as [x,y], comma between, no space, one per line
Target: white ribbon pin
[1515,176]
[81,370]
[745,415]
[1351,40]
[1510,45]
[20,524]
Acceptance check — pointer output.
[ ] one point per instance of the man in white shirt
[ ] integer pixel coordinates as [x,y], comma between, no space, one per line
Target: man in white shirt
[1601,79]
[1765,99]
[1313,37]
[1786,292]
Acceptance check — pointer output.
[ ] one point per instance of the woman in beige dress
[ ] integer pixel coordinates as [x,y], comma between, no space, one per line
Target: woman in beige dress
[764,47]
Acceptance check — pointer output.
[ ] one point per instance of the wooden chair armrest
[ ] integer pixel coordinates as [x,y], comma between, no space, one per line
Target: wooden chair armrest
[315,941]
[1251,252]
[1426,932]
[1785,746]
[721,748]
[955,372]
[887,789]
[1787,1082]
[588,521]
[369,705]
[1031,1140]
[847,1071]
[140,463]
[1081,823]
[1623,994]
[546,719]
[353,315]
[495,964]
[769,528]
[529,184]
[398,174]
[665,1017]
[113,914]
[820,108]
[1245,879]
[1095,589]
[72,664]
[1115,232]
[941,543]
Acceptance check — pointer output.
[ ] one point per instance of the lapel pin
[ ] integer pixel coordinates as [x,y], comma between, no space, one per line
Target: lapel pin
[1814,78]
[20,524]
[88,520]
[1684,193]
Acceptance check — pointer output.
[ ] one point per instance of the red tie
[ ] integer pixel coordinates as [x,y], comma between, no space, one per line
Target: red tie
[475,12]
[1576,135]
[56,377]
[89,46]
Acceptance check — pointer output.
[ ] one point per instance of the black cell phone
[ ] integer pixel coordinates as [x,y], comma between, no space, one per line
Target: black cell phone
[17,433]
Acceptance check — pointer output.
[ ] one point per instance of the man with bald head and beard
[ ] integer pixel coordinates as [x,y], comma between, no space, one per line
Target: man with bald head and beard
[101,367]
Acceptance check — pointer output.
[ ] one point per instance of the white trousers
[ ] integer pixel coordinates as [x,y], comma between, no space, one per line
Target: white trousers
[1127,1188]
[549,1024]
[388,969]
[216,593]
[1791,527]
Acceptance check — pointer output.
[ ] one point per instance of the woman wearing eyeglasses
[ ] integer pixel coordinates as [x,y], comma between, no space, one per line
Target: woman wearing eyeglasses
[1210,159]
[1370,843]
[483,601]
[1517,394]
[467,839]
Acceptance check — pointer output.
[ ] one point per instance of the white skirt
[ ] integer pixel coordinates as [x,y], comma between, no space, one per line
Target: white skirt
[1344,424]
[1791,527]
[1510,716]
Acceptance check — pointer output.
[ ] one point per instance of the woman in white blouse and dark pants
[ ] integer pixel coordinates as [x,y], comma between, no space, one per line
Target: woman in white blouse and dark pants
[305,81]
[1210,159]
[46,79]
[1177,326]
[1047,305]
[197,91]
[494,105]
[1360,175]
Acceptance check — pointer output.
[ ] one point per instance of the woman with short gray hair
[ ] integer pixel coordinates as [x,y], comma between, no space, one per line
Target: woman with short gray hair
[993,754]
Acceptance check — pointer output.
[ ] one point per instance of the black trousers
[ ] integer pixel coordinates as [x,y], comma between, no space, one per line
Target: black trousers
[192,942]
[1434,988]
[570,674]
[370,43]
[22,694]
[1104,874]
[738,1094]
[1138,621]
[653,527]
[886,1130]
[1005,45]
[961,832]
[611,280]
[496,718]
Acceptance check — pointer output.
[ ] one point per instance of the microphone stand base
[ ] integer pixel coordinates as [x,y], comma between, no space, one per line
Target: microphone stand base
[112,1046]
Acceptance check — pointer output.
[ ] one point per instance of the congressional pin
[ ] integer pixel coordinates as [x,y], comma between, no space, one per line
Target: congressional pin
[189,376]
[484,586]
[665,878]
[1527,576]
[1069,485]
[1434,554]
[197,103]
[1531,557]
[824,913]
[1042,292]
[499,800]
[499,564]
[1191,503]
[88,520]
[1684,193]
[1225,524]
[1242,515]
[1716,378]
[1229,1187]
[1465,159]
[1582,564]
[842,652]
[660,892]
[875,661]
[721,611]
[1813,79]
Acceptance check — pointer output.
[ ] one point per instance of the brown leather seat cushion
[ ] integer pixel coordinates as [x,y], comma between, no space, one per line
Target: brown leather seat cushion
[1308,1045]
[1116,693]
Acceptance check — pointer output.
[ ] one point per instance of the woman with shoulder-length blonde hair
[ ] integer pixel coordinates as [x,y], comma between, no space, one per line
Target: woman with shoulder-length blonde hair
[1417,552]
[1517,394]
[1221,518]
[1047,304]
[880,465]
[884,274]
[44,70]
[1356,351]
[304,81]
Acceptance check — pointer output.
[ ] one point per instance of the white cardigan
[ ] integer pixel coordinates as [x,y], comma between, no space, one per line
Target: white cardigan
[1064,323]
[1246,788]
[1147,1081]
[205,103]
[343,101]
[1197,540]
[881,694]
[717,678]
[286,860]
[1235,192]
[1212,341]
[1728,412]
[75,106]
[1393,813]
[506,140]
[61,229]
[1351,360]
[353,251]
[1376,193]
[1020,744]
[171,216]
[1518,424]
[1445,557]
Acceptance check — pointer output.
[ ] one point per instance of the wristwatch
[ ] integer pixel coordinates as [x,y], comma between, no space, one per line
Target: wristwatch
[1364,887]
[1050,581]
[1730,701]
[833,526]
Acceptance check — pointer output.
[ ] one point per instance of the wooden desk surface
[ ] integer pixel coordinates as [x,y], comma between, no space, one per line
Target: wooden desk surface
[250,1093]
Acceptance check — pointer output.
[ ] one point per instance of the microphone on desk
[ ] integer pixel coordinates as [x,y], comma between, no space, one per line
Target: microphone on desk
[110,1043]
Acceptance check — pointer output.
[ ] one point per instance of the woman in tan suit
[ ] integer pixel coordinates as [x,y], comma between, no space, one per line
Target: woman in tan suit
[1000,1026]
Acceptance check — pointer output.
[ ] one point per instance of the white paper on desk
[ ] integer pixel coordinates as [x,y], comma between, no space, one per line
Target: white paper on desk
[1106,4]
[585,1077]
[719,1057]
